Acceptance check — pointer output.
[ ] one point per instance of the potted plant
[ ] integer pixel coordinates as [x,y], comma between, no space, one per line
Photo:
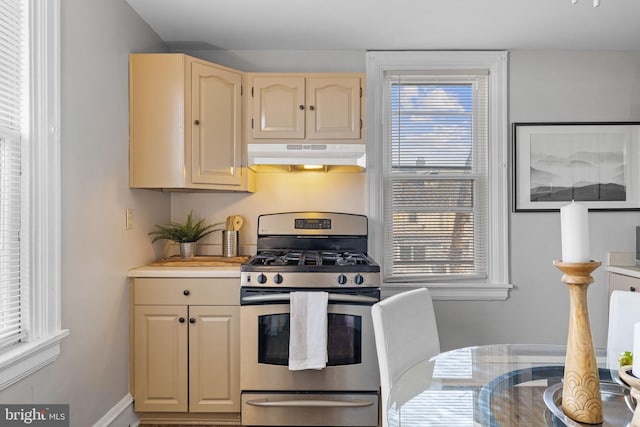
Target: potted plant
[186,235]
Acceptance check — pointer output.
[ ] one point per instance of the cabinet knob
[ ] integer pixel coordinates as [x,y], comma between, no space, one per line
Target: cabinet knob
[301,107]
[181,320]
[311,107]
[192,320]
[186,292]
[632,288]
[196,122]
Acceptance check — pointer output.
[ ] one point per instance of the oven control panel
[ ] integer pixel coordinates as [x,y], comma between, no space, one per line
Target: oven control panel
[306,280]
[312,224]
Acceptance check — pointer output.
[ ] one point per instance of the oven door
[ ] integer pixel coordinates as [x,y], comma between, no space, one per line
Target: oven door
[352,364]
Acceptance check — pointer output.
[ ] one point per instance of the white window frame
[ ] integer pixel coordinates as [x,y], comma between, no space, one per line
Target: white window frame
[496,286]
[40,235]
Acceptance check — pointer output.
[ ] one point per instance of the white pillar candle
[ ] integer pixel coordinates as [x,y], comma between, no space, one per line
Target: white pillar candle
[636,350]
[574,233]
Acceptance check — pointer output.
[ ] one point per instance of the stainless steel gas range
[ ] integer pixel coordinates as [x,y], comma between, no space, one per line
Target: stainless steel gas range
[311,252]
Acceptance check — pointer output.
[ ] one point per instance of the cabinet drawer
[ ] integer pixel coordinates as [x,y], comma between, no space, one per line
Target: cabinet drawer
[186,291]
[620,282]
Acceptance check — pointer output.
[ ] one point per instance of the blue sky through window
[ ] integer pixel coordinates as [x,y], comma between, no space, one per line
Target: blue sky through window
[431,125]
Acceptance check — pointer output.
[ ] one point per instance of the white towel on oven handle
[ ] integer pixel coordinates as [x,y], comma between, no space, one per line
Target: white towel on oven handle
[308,322]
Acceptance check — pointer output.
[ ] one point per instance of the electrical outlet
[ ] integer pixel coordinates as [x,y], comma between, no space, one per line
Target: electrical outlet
[129,219]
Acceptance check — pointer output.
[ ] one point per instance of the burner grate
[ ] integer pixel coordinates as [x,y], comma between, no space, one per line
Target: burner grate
[310,258]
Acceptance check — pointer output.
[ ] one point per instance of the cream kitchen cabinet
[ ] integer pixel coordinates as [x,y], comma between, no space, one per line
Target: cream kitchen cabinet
[186,124]
[623,282]
[186,346]
[315,107]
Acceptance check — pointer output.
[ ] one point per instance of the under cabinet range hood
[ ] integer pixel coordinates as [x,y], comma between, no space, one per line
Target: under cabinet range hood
[296,157]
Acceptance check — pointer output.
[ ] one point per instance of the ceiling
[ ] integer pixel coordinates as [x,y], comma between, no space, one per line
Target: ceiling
[393,24]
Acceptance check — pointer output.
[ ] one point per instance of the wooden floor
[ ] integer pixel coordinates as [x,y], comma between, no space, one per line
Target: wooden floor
[185,422]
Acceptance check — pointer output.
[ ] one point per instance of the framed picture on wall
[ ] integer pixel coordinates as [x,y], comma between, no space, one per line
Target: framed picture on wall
[595,164]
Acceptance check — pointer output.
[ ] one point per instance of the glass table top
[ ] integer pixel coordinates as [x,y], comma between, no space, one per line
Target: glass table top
[497,385]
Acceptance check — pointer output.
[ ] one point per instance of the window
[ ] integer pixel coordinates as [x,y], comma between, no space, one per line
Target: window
[435,130]
[30,330]
[11,131]
[437,173]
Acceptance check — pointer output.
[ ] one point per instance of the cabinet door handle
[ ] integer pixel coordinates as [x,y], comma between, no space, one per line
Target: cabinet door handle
[632,288]
[196,122]
[186,292]
[301,107]
[192,320]
[181,320]
[311,107]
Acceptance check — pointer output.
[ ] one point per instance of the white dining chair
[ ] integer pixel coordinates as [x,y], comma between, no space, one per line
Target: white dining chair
[406,333]
[624,312]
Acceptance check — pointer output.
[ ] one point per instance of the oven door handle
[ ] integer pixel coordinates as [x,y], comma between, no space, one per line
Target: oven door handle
[284,297]
[315,403]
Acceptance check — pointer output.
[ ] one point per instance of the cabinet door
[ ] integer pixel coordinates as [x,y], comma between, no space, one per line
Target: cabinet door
[278,107]
[160,358]
[620,282]
[216,125]
[214,359]
[333,108]
[156,120]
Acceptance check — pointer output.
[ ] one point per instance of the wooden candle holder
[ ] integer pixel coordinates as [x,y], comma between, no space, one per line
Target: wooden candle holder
[581,399]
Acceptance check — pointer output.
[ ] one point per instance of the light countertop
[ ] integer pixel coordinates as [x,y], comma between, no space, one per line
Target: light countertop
[198,266]
[627,271]
[623,263]
[156,271]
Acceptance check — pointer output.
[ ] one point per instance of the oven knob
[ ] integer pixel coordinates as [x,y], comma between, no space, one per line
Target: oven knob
[342,279]
[277,279]
[359,280]
[262,279]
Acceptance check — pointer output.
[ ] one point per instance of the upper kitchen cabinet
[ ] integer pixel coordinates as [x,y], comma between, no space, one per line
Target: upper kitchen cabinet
[315,107]
[185,124]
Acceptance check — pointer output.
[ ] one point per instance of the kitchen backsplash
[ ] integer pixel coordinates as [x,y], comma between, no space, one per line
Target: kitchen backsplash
[275,192]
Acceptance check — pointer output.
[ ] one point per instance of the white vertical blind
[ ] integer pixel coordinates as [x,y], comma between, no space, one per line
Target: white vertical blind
[436,175]
[11,125]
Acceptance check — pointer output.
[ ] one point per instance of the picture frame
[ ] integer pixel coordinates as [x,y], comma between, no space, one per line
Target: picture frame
[595,164]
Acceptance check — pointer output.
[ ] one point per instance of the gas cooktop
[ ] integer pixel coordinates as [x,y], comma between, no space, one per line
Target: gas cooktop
[311,249]
[329,260]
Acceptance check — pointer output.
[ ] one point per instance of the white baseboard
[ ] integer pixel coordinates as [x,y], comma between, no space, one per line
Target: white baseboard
[121,415]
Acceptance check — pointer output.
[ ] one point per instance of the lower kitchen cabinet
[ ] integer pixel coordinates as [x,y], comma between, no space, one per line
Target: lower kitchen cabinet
[214,356]
[186,345]
[161,358]
[621,282]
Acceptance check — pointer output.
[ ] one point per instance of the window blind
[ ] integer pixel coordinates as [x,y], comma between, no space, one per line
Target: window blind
[436,176]
[11,94]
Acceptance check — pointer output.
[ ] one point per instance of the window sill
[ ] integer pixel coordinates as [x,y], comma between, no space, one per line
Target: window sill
[26,358]
[453,292]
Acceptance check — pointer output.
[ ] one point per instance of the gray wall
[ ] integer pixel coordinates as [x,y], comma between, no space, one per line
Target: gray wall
[92,372]
[546,87]
[559,86]
[543,86]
